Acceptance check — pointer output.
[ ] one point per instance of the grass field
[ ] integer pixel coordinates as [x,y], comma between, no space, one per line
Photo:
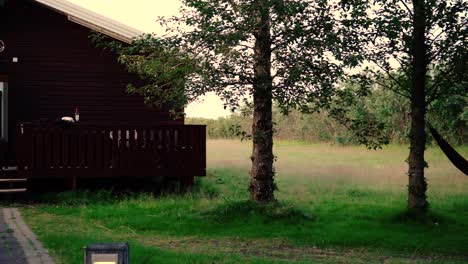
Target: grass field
[336,205]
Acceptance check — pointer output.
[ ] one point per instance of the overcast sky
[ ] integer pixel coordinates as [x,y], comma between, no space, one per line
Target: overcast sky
[141,14]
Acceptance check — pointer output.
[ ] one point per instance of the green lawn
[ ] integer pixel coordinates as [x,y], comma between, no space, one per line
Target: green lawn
[336,205]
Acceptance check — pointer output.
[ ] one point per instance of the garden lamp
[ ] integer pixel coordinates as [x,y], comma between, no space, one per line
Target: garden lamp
[107,253]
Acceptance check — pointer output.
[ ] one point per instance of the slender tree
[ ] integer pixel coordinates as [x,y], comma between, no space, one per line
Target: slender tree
[247,51]
[426,40]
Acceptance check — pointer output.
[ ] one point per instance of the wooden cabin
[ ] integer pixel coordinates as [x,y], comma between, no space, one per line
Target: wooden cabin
[49,69]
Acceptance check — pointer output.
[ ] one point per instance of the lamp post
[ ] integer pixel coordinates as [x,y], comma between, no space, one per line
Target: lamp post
[111,253]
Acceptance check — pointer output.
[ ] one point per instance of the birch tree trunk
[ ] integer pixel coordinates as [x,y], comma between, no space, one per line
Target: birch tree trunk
[262,173]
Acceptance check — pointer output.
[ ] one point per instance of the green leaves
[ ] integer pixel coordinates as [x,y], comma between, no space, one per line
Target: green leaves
[162,67]
[305,46]
[385,30]
[314,44]
[209,48]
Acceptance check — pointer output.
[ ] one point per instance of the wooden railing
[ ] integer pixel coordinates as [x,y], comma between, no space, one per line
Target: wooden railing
[78,151]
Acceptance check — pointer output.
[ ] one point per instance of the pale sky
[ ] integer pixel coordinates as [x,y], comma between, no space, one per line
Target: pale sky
[141,14]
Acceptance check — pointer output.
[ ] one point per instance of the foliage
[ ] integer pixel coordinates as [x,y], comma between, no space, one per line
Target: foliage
[385,29]
[223,127]
[162,68]
[448,115]
[302,35]
[222,45]
[352,114]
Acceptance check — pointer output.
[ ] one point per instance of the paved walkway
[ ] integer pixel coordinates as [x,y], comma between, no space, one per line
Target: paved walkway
[10,249]
[18,244]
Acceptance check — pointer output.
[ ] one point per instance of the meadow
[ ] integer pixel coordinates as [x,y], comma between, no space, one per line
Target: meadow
[336,204]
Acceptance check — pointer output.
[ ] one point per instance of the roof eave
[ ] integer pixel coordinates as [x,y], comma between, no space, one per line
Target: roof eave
[92,20]
[102,30]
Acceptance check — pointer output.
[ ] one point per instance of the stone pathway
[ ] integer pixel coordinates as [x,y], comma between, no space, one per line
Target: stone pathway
[18,244]
[10,249]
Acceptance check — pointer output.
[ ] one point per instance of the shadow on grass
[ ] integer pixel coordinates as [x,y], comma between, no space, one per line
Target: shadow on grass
[276,211]
[428,218]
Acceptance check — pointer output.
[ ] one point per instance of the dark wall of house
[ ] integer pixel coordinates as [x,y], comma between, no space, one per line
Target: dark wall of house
[60,69]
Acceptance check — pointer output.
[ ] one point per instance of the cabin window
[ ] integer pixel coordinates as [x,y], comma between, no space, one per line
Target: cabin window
[4,110]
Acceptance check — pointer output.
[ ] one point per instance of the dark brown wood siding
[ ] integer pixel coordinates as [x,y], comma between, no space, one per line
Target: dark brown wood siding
[60,69]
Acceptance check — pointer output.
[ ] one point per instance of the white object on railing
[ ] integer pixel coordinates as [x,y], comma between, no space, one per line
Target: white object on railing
[68,119]
[77,115]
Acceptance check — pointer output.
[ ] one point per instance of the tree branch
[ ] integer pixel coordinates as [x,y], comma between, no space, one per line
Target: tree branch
[407,8]
[443,49]
[389,74]
[436,37]
[392,89]
[436,85]
[403,65]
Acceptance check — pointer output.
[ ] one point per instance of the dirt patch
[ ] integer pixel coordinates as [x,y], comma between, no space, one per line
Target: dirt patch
[279,249]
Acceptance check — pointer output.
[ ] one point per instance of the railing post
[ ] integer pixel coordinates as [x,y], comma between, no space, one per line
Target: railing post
[25,149]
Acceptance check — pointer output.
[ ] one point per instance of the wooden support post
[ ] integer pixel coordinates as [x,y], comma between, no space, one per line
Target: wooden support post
[74,183]
[186,183]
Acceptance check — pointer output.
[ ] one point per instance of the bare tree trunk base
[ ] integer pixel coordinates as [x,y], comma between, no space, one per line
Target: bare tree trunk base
[261,191]
[417,200]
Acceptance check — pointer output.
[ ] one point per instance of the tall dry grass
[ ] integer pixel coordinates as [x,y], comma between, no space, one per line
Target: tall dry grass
[301,165]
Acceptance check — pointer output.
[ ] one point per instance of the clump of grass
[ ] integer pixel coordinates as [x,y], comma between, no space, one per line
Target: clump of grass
[86,197]
[201,189]
[357,193]
[205,189]
[245,210]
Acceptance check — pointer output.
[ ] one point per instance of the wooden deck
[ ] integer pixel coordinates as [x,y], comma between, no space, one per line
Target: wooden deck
[46,151]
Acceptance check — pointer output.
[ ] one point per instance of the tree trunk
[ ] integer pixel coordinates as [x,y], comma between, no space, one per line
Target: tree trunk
[417,187]
[262,174]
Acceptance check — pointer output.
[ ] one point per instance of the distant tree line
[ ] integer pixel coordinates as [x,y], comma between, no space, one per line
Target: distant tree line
[448,115]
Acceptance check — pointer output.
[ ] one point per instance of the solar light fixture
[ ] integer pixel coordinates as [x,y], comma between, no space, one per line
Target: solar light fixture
[111,253]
